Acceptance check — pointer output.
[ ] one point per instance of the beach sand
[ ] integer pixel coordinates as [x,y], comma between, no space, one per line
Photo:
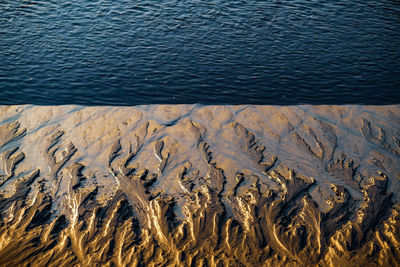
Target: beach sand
[194,185]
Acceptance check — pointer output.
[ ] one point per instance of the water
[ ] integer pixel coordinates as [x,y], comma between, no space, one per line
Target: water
[124,52]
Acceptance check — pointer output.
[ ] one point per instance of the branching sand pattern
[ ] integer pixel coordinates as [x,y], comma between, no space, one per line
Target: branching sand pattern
[199,186]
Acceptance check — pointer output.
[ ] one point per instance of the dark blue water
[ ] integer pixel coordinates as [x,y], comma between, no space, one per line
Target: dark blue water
[124,52]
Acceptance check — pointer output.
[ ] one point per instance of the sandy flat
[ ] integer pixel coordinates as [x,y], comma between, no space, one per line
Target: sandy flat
[193,185]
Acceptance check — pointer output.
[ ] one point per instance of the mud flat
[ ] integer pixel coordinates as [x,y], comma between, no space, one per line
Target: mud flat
[191,185]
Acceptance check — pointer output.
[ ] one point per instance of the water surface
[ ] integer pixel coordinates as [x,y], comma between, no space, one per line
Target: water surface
[190,51]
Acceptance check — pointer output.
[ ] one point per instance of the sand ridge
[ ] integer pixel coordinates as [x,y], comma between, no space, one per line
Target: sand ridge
[199,185]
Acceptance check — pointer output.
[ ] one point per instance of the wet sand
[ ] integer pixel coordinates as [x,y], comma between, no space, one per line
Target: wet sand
[193,185]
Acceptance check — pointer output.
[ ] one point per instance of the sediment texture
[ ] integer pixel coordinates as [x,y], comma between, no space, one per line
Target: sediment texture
[192,185]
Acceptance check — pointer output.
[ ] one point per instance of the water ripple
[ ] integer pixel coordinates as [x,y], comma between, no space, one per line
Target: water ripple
[217,52]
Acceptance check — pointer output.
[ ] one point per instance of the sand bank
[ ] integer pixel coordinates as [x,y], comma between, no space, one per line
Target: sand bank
[192,185]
